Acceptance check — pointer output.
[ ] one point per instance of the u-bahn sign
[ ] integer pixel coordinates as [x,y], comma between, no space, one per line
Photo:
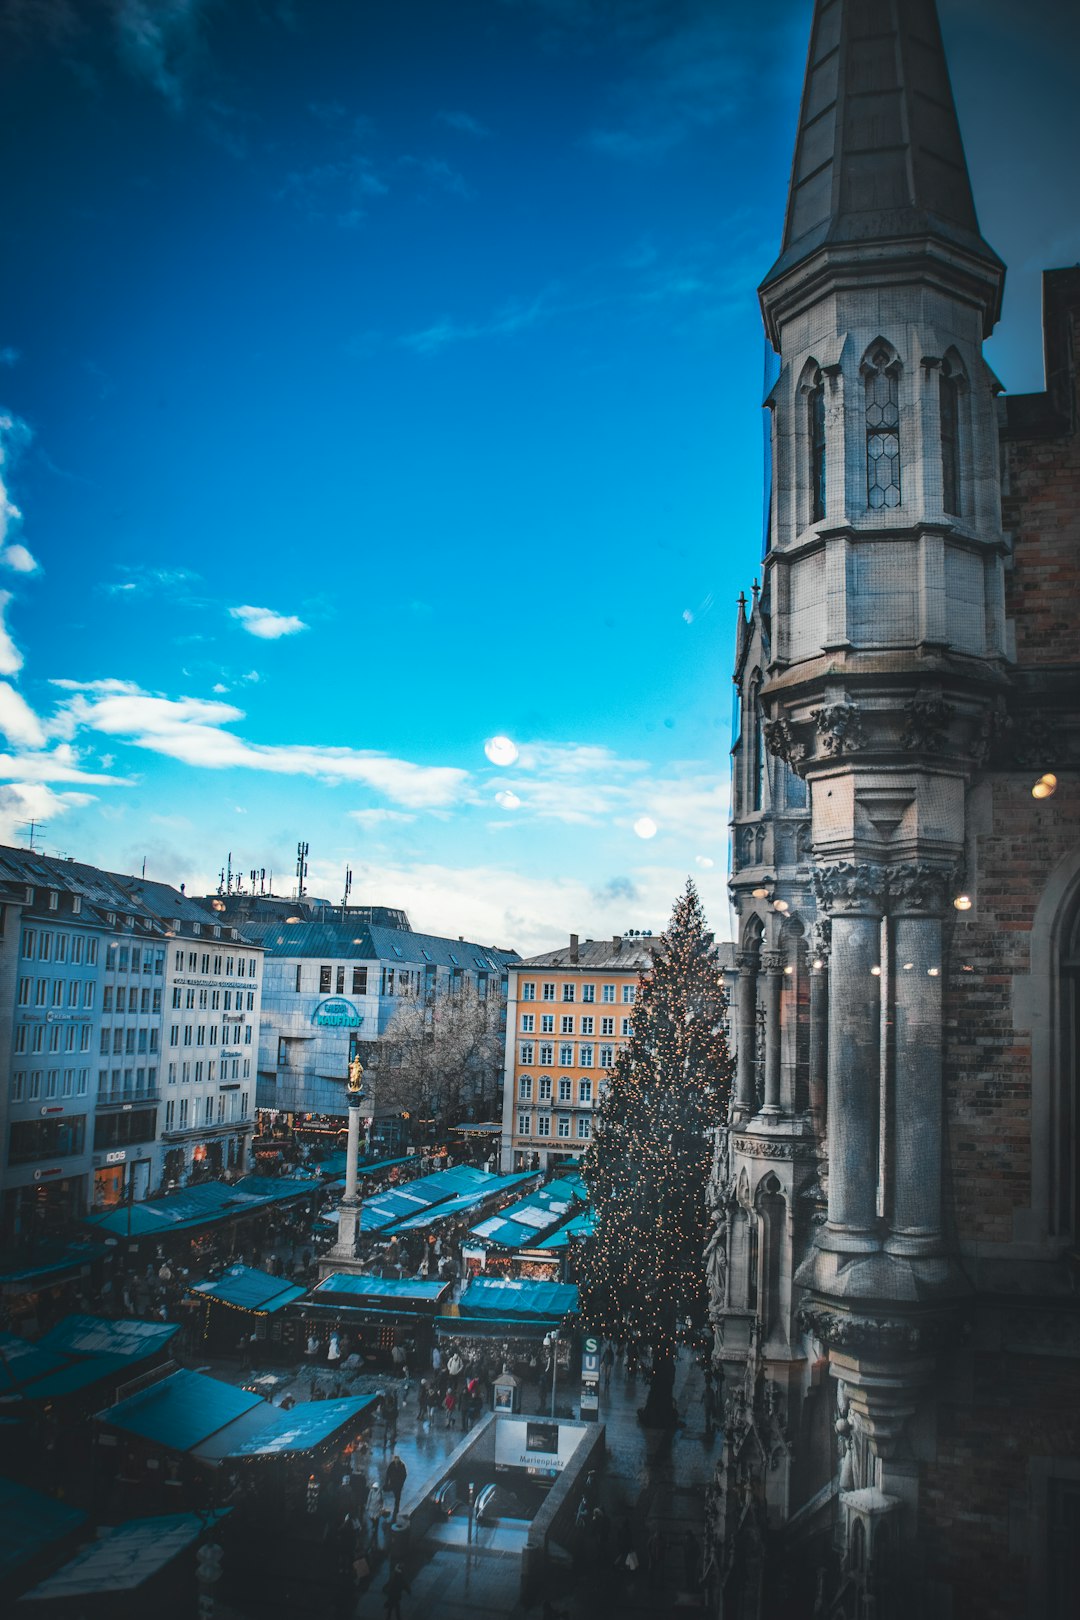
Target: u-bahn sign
[337,1013]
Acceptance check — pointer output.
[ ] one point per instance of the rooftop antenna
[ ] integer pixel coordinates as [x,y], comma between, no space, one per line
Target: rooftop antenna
[301,868]
[262,879]
[33,829]
[221,881]
[228,873]
[144,868]
[348,891]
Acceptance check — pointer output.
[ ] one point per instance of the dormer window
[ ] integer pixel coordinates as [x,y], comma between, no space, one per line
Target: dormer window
[76,904]
[54,900]
[196,928]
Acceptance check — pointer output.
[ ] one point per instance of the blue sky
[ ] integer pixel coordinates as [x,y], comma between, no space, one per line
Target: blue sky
[381,378]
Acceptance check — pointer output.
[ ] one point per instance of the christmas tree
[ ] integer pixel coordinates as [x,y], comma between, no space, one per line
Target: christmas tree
[648,1167]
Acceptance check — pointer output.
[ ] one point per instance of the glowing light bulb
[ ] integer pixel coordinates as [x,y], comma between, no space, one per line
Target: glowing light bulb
[780,905]
[760,894]
[1045,786]
[908,966]
[933,972]
[876,971]
[789,970]
[962,902]
[817,962]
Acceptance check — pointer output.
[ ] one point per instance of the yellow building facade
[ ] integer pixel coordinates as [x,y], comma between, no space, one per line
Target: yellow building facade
[567,1017]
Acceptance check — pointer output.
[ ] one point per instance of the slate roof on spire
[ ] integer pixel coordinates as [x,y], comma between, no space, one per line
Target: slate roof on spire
[878,154]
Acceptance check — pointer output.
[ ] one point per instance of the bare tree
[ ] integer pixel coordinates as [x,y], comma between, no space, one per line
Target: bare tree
[445,1058]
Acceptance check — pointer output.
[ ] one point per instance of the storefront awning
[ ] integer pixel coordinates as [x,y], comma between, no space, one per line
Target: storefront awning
[276,1433]
[354,1289]
[182,1411]
[509,1300]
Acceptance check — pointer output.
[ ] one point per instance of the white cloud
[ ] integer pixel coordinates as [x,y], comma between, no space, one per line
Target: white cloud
[508,800]
[26,801]
[18,722]
[378,818]
[498,906]
[59,764]
[465,122]
[266,624]
[192,730]
[13,435]
[11,659]
[158,40]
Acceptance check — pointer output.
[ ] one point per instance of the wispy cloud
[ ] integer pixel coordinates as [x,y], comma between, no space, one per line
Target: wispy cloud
[379,818]
[513,317]
[465,122]
[14,436]
[160,42]
[21,802]
[18,722]
[340,191]
[266,624]
[11,659]
[193,730]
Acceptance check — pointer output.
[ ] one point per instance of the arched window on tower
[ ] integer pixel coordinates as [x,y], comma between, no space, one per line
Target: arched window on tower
[950,386]
[881,371]
[757,744]
[815,438]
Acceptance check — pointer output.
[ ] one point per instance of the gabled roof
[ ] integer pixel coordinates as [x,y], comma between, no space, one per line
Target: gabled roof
[498,1297]
[248,1289]
[182,1411]
[352,941]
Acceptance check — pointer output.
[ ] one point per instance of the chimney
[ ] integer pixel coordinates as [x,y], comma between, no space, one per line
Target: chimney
[573,948]
[617,942]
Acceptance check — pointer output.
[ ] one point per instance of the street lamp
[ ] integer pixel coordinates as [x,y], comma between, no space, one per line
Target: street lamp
[551,1342]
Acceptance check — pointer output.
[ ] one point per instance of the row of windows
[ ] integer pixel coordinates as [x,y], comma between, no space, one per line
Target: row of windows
[52,1038]
[128,1040]
[136,999]
[125,1082]
[242,966]
[29,1085]
[134,959]
[332,980]
[231,1069]
[32,1139]
[212,999]
[43,945]
[588,1054]
[227,1106]
[569,991]
[562,1126]
[566,1024]
[544,1084]
[56,992]
[207,1035]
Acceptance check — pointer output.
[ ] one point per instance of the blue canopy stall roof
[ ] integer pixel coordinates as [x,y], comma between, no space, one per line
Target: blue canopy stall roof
[247,1289]
[491,1187]
[125,1338]
[272,1432]
[22,1362]
[182,1411]
[63,1262]
[385,1208]
[521,1225]
[208,1204]
[509,1300]
[356,1287]
[29,1523]
[334,1165]
[582,1226]
[121,1560]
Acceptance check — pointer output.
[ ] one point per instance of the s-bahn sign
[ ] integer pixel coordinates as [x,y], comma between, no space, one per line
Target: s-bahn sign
[337,1013]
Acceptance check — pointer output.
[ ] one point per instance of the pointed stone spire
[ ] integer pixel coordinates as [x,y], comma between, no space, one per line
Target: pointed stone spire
[878,155]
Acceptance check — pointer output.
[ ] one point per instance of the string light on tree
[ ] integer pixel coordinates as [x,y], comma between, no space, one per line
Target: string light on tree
[648,1167]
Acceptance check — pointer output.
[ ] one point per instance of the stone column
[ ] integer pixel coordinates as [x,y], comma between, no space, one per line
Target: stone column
[854,896]
[772,963]
[915,1220]
[746,1019]
[819,1040]
[349,1211]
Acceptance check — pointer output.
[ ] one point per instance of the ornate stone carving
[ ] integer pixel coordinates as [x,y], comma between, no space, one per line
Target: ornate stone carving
[918,886]
[772,961]
[1037,742]
[849,885]
[839,728]
[821,940]
[721,1200]
[780,740]
[747,961]
[803,841]
[994,725]
[756,1147]
[883,1335]
[926,725]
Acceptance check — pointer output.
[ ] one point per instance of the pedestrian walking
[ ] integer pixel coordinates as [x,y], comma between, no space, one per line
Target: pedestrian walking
[394,1589]
[450,1407]
[333,1350]
[396,1475]
[373,1509]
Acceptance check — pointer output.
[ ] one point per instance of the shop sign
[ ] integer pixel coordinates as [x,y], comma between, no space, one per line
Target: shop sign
[117,1156]
[336,1013]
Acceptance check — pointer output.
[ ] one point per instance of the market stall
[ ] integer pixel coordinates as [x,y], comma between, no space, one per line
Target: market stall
[373,1313]
[240,1312]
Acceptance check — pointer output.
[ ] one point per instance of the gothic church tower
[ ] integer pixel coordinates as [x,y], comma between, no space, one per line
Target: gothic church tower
[876,672]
